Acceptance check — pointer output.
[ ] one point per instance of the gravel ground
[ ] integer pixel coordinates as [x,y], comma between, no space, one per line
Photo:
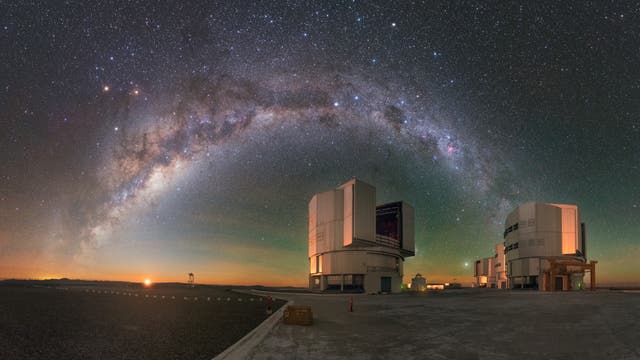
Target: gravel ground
[97,323]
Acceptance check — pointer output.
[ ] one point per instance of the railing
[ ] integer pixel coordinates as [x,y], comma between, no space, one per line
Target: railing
[387,241]
[381,269]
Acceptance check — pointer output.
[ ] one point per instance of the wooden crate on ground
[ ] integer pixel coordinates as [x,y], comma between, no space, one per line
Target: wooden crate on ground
[298,315]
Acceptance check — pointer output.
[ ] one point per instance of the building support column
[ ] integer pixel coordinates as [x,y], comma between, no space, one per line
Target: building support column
[593,274]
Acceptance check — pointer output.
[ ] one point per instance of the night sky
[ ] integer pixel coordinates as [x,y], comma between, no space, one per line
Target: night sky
[156,139]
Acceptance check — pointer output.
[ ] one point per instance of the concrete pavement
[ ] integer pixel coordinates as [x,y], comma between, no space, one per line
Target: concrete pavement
[461,324]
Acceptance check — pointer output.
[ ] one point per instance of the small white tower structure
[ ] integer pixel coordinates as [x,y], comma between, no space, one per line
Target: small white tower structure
[418,283]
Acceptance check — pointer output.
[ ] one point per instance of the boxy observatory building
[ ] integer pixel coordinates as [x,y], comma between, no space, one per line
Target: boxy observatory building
[545,248]
[356,246]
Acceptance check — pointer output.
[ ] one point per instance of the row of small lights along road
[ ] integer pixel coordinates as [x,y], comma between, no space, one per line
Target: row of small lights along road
[186,298]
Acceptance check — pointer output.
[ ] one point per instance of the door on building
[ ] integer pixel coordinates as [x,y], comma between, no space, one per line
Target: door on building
[385,284]
[558,283]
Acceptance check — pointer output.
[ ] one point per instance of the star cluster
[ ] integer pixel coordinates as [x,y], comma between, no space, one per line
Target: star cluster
[182,137]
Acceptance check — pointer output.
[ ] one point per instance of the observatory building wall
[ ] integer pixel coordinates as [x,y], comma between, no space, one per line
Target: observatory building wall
[544,248]
[346,253]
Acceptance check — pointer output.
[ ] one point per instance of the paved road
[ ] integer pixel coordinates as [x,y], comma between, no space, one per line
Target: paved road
[462,324]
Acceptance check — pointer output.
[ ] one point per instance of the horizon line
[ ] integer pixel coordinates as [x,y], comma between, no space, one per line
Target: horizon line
[605,285]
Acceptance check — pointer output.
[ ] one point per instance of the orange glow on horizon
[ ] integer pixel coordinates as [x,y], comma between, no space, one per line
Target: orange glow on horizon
[147,282]
[618,271]
[271,279]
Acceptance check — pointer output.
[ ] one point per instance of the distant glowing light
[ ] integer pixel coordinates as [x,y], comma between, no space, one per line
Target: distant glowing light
[466,264]
[106,88]
[147,282]
[136,92]
[336,104]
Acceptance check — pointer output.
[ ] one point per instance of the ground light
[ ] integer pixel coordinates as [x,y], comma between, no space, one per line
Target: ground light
[147,282]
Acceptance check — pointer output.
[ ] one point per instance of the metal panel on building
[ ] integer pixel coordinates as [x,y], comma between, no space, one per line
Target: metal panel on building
[408,236]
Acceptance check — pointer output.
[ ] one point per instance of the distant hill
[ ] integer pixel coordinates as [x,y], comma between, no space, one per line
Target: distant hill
[106,283]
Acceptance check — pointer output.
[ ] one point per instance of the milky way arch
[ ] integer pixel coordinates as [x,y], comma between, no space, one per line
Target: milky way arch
[207,111]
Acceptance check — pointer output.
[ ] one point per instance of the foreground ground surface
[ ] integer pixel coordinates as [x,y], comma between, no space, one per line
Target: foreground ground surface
[106,322]
[463,324]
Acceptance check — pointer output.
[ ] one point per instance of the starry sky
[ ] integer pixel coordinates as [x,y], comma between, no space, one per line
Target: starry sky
[156,139]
